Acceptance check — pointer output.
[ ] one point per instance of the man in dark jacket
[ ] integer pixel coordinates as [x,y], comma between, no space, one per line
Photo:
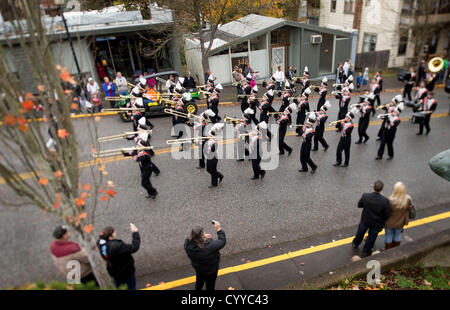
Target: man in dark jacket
[120,263]
[205,256]
[189,82]
[376,211]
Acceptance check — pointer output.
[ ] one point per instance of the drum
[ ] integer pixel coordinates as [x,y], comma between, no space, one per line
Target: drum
[417,118]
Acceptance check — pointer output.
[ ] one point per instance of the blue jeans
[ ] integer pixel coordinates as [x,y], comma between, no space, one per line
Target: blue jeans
[392,235]
[278,85]
[130,282]
[123,93]
[371,238]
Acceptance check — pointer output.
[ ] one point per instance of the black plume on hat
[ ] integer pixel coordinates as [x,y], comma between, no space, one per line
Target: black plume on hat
[60,231]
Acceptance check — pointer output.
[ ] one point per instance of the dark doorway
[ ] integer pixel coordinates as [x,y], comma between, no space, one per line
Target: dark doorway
[326,54]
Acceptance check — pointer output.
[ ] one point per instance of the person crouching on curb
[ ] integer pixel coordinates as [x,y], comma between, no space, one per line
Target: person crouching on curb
[204,254]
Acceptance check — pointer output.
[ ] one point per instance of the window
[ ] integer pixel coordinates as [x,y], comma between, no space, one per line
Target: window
[406,8]
[333,6]
[403,43]
[348,7]
[369,42]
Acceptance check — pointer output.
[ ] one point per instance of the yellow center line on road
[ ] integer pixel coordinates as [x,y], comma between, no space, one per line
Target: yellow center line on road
[161,151]
[290,255]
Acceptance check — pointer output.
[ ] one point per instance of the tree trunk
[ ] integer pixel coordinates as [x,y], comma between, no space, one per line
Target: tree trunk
[98,264]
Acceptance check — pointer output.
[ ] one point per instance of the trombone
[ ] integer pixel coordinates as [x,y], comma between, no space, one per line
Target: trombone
[274,113]
[335,122]
[124,110]
[314,86]
[381,107]
[231,120]
[177,113]
[384,115]
[201,86]
[113,152]
[117,98]
[120,136]
[186,140]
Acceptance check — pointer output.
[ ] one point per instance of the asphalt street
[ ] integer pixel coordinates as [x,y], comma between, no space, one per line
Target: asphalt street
[286,205]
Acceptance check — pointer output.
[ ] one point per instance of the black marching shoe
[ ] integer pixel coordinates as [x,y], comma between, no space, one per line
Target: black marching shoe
[418,134]
[212,186]
[378,158]
[427,132]
[220,179]
[302,170]
[344,165]
[326,148]
[314,150]
[313,170]
[390,157]
[358,142]
[365,140]
[200,167]
[152,196]
[336,164]
[263,173]
[378,139]
[254,178]
[289,152]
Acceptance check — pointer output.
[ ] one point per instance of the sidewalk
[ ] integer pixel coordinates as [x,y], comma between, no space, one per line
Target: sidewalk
[288,263]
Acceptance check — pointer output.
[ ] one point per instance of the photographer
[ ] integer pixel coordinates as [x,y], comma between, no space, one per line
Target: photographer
[204,254]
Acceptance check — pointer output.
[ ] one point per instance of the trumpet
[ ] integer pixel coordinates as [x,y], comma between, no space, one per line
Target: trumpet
[201,86]
[123,110]
[299,125]
[121,136]
[335,122]
[383,115]
[381,107]
[275,113]
[314,86]
[295,78]
[231,120]
[117,98]
[113,152]
[339,84]
[177,113]
[337,92]
[186,140]
[204,92]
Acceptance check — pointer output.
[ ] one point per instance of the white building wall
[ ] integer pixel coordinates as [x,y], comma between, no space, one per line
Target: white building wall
[220,68]
[259,61]
[335,19]
[194,61]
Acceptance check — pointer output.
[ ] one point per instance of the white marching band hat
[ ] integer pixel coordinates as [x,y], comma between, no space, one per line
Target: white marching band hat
[262,125]
[352,113]
[287,84]
[211,78]
[139,102]
[142,80]
[293,106]
[326,105]
[142,121]
[398,98]
[216,128]
[270,92]
[209,113]
[307,91]
[181,79]
[249,111]
[306,71]
[371,96]
[400,107]
[311,118]
[218,88]
[324,80]
[143,136]
[255,88]
[249,76]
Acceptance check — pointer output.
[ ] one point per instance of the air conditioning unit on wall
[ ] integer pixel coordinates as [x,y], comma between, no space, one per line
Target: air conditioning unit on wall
[316,39]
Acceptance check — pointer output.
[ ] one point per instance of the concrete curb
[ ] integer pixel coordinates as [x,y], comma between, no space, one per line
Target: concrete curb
[408,253]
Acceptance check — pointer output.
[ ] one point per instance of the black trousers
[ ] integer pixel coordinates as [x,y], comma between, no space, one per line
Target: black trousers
[300,121]
[320,103]
[282,146]
[341,115]
[244,105]
[305,156]
[211,167]
[426,123]
[362,130]
[389,140]
[343,145]
[407,91]
[241,147]
[209,278]
[257,171]
[381,130]
[201,160]
[146,173]
[318,137]
[377,99]
[371,238]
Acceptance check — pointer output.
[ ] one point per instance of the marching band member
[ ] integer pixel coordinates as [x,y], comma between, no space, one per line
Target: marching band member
[146,166]
[322,93]
[283,122]
[286,96]
[302,108]
[143,138]
[343,106]
[180,122]
[200,128]
[213,102]
[211,158]
[375,89]
[421,92]
[306,82]
[241,128]
[254,143]
[246,90]
[346,139]
[429,105]
[264,107]
[409,80]
[389,132]
[388,109]
[320,127]
[305,150]
[364,118]
[254,103]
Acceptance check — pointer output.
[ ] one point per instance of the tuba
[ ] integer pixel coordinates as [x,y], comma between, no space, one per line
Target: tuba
[435,64]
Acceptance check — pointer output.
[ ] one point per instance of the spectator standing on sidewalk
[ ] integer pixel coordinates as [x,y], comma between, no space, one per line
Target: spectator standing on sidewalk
[63,251]
[204,254]
[400,203]
[376,211]
[117,254]
[122,84]
[366,76]
[279,78]
[238,77]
